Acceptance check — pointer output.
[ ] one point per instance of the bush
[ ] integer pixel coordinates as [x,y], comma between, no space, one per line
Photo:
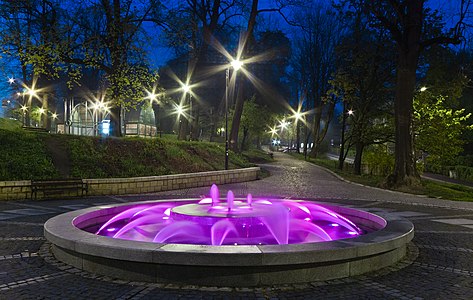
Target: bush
[24,156]
[379,162]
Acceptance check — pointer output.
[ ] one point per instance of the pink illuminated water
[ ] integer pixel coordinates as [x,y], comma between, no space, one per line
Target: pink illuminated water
[233,222]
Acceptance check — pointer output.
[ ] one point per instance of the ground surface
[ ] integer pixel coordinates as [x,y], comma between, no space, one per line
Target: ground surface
[439,264]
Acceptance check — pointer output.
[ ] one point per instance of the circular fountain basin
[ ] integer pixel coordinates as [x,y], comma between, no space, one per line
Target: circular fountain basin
[383,244]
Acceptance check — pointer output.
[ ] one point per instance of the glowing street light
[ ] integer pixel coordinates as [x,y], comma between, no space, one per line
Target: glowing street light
[350,112]
[11,80]
[54,116]
[236,64]
[179,110]
[32,92]
[186,88]
[41,110]
[152,96]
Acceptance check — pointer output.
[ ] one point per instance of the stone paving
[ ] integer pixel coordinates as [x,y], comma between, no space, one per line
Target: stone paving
[439,264]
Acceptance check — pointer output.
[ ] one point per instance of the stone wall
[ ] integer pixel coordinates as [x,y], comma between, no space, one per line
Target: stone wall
[11,190]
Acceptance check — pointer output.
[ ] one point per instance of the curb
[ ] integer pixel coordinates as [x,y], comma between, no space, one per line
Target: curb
[439,205]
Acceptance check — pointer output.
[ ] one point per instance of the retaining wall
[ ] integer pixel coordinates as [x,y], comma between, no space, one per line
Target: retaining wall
[11,190]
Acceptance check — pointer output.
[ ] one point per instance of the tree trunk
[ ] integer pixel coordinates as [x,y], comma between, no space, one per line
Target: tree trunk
[46,119]
[248,42]
[236,121]
[244,139]
[194,133]
[183,128]
[409,48]
[115,121]
[341,157]
[316,131]
[157,118]
[359,146]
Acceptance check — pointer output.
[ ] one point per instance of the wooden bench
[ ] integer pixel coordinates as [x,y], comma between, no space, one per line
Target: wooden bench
[58,187]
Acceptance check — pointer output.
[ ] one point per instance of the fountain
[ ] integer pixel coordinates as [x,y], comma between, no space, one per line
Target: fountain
[236,242]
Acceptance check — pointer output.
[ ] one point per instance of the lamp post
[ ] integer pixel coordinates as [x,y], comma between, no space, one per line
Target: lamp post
[187,93]
[236,65]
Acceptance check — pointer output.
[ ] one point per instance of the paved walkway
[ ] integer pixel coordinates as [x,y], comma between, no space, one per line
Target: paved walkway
[439,264]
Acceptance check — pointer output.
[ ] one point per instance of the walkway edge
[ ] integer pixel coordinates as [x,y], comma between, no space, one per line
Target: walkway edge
[423,199]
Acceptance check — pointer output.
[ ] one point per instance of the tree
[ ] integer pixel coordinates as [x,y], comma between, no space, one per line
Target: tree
[363,80]
[413,28]
[254,122]
[315,63]
[438,128]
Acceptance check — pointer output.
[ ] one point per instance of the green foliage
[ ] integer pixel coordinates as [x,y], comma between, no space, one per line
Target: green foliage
[255,119]
[9,124]
[24,157]
[130,157]
[130,83]
[438,128]
[379,161]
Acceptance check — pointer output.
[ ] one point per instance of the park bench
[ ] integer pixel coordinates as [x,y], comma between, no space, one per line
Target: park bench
[58,187]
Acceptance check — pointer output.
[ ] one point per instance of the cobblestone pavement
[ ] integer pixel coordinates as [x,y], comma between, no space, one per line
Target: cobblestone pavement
[439,264]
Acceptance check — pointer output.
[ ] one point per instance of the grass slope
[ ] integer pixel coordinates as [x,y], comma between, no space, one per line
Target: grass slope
[27,155]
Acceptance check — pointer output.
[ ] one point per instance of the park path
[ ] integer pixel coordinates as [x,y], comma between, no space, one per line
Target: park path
[294,178]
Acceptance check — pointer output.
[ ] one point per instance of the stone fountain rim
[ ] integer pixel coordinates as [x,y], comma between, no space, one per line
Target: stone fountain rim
[61,232]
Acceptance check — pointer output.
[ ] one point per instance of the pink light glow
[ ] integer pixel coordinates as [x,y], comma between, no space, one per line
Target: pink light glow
[211,221]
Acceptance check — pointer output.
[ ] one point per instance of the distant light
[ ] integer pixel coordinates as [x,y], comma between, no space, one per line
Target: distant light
[352,232]
[334,225]
[236,64]
[41,110]
[222,129]
[297,115]
[31,92]
[105,127]
[350,112]
[186,88]
[18,94]
[54,115]
[423,89]
[152,96]
[179,109]
[11,80]
[24,108]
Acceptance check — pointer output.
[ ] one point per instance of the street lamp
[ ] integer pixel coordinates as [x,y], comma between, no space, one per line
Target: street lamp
[188,93]
[236,65]
[24,108]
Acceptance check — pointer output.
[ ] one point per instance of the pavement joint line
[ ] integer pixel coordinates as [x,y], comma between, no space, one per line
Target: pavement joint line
[444,248]
[119,199]
[443,232]
[443,268]
[32,280]
[23,238]
[441,217]
[389,290]
[35,206]
[133,294]
[25,254]
[21,223]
